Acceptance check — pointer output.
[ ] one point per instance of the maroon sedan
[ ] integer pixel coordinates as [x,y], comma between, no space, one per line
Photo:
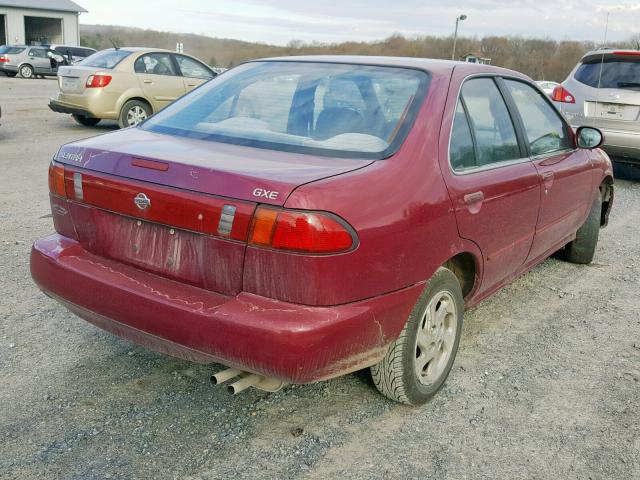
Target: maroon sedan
[296,219]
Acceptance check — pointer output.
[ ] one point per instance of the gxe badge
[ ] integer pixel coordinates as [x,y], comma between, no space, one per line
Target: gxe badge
[142,201]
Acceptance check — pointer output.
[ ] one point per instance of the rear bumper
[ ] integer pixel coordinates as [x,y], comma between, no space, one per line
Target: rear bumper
[74,110]
[295,343]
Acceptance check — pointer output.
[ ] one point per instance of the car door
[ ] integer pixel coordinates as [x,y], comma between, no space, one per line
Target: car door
[193,72]
[159,79]
[566,174]
[39,60]
[492,183]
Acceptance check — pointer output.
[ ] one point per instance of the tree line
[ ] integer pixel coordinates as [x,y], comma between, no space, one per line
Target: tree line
[541,59]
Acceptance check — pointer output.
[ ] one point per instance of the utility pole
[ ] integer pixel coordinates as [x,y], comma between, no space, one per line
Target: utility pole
[455,35]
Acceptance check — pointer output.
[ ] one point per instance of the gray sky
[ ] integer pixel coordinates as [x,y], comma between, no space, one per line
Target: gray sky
[279,21]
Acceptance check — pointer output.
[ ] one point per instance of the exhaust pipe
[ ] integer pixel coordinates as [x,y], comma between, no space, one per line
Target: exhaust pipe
[246,380]
[224,375]
[244,383]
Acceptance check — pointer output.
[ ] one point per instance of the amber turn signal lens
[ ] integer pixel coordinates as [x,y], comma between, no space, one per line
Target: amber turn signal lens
[262,226]
[56,179]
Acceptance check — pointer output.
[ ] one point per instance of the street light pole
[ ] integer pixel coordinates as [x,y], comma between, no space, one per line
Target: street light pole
[455,35]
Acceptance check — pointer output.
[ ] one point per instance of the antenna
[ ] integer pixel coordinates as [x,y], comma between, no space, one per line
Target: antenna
[115,45]
[606,30]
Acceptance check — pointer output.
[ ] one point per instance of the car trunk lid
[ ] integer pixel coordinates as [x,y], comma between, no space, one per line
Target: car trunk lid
[177,207]
[73,79]
[246,173]
[609,83]
[613,108]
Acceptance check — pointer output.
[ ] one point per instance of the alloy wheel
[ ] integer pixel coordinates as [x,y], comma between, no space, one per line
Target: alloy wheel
[26,72]
[135,115]
[435,338]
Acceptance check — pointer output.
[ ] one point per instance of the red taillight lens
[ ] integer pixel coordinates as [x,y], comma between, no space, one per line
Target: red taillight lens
[307,232]
[98,81]
[560,94]
[3,59]
[632,53]
[56,179]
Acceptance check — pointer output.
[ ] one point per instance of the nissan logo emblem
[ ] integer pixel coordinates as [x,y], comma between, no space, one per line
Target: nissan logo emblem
[142,201]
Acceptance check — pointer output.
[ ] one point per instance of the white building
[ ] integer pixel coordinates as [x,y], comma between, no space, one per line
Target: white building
[36,22]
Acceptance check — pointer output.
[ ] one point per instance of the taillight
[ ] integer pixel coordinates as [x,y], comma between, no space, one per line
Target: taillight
[56,179]
[561,94]
[98,81]
[631,53]
[3,59]
[296,231]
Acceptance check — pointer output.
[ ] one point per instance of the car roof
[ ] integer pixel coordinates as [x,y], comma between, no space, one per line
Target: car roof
[618,52]
[428,64]
[53,45]
[143,49]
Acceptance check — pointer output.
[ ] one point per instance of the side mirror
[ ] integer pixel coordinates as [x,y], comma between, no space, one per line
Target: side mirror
[589,137]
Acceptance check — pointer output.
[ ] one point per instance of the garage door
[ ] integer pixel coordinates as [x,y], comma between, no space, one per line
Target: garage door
[42,30]
[3,29]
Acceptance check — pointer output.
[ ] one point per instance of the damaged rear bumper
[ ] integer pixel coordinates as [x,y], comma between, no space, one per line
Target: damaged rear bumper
[294,343]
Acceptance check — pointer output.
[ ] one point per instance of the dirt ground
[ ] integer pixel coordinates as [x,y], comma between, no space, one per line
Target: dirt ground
[546,383]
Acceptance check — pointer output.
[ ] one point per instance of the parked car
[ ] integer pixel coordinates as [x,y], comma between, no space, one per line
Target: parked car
[29,61]
[300,218]
[547,86]
[71,54]
[6,51]
[126,84]
[603,91]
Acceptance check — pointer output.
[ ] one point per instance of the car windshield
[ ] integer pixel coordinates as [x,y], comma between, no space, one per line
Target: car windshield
[616,73]
[323,108]
[105,58]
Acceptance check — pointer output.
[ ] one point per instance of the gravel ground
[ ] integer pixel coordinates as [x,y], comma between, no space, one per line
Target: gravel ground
[546,384]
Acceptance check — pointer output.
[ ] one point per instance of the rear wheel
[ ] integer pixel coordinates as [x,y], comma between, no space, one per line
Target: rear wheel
[86,121]
[583,248]
[26,71]
[10,74]
[419,361]
[133,112]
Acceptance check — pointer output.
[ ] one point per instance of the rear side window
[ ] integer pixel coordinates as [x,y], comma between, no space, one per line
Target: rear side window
[616,73]
[461,152]
[105,58]
[82,52]
[38,53]
[546,132]
[492,129]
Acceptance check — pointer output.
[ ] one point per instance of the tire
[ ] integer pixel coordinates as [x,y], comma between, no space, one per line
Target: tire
[86,121]
[396,376]
[26,71]
[583,248]
[133,112]
[10,74]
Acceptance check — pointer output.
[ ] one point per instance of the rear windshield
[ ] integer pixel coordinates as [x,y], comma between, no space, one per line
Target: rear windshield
[105,58]
[6,49]
[616,73]
[321,108]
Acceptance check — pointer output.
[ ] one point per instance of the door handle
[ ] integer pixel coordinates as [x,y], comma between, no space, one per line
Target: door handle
[147,81]
[547,179]
[474,201]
